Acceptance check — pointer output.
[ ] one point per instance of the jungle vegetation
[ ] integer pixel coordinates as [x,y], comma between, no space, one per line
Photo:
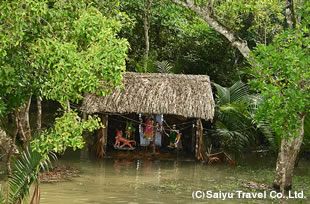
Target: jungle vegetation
[255,52]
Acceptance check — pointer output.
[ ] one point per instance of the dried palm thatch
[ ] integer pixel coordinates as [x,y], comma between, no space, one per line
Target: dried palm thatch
[177,94]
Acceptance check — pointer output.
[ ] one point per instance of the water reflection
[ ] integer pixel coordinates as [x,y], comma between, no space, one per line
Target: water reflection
[142,181]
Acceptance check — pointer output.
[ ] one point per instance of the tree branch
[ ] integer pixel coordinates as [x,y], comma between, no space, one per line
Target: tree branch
[146,26]
[290,14]
[235,41]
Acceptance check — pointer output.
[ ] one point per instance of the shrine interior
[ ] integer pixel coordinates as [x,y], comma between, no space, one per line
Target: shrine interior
[186,145]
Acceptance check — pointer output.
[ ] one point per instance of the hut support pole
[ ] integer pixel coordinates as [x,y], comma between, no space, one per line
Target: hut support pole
[193,137]
[201,151]
[197,139]
[105,131]
[154,145]
[102,138]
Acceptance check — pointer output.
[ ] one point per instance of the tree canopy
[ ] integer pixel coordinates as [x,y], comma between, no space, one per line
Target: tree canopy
[59,50]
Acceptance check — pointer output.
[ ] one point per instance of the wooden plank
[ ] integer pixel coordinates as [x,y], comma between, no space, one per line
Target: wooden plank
[105,131]
[193,137]
[197,139]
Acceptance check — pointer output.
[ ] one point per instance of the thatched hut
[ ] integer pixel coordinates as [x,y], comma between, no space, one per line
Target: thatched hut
[189,96]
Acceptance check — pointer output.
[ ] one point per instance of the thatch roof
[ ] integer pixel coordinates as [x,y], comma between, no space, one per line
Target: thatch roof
[177,94]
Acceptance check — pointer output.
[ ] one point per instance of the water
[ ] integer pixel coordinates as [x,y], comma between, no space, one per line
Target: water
[124,181]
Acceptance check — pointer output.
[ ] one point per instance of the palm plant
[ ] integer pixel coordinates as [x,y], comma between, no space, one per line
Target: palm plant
[163,67]
[153,66]
[235,125]
[1,195]
[145,65]
[26,169]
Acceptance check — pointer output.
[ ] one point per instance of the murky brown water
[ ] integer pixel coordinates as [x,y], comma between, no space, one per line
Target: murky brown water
[114,181]
[123,181]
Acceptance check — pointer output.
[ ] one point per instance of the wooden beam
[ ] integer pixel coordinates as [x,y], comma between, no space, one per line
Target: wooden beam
[105,119]
[102,138]
[201,151]
[197,139]
[154,135]
[193,137]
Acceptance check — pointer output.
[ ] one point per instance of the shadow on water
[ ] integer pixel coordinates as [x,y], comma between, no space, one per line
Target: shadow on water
[143,181]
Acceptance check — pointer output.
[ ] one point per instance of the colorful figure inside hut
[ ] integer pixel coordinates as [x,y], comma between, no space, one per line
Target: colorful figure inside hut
[149,128]
[119,133]
[143,141]
[175,137]
[130,130]
[178,142]
[159,130]
[120,138]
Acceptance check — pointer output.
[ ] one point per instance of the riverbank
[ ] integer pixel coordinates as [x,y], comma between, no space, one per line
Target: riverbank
[169,181]
[93,180]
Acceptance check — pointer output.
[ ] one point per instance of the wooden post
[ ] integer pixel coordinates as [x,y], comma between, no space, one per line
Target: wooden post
[193,137]
[39,115]
[154,134]
[104,132]
[201,151]
[197,139]
[102,138]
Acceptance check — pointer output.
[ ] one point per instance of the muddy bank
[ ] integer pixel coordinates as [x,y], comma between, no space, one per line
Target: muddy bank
[59,173]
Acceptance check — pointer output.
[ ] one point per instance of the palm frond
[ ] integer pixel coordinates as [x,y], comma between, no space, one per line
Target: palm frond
[254,101]
[235,117]
[232,141]
[163,67]
[26,169]
[223,94]
[272,138]
[238,92]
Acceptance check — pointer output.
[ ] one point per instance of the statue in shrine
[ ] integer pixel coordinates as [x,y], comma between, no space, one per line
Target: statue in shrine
[175,137]
[130,130]
[120,138]
[149,128]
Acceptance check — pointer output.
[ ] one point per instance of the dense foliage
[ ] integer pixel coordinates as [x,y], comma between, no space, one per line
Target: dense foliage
[236,129]
[67,132]
[58,50]
[283,78]
[55,50]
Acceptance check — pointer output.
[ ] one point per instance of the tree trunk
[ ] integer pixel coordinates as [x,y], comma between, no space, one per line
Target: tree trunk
[24,124]
[12,145]
[201,151]
[102,139]
[289,149]
[207,16]
[158,39]
[290,14]
[36,194]
[146,26]
[5,143]
[286,160]
[39,115]
[68,107]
